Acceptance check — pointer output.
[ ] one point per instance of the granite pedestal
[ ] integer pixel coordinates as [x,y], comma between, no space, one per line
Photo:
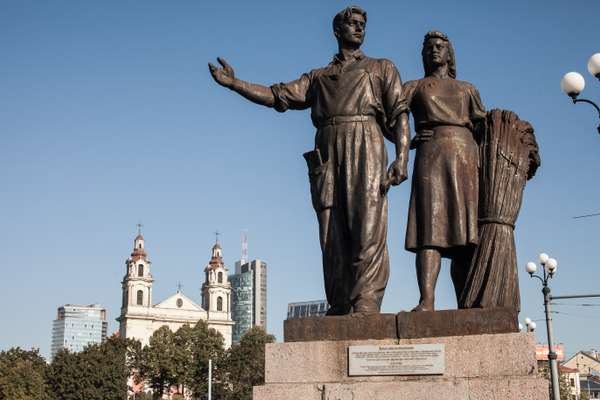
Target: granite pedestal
[497,364]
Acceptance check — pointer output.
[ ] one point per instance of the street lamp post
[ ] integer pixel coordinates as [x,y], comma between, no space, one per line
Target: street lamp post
[549,269]
[209,379]
[573,83]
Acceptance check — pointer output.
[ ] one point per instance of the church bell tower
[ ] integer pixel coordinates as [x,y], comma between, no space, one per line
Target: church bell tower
[216,290]
[137,282]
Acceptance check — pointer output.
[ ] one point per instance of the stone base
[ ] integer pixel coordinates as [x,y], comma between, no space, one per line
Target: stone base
[456,389]
[477,367]
[404,325]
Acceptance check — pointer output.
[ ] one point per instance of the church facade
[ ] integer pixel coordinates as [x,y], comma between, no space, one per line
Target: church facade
[139,317]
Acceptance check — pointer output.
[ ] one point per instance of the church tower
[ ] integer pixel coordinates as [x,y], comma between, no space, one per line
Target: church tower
[137,282]
[216,290]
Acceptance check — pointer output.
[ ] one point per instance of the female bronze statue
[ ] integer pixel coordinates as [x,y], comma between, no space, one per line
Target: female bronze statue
[442,219]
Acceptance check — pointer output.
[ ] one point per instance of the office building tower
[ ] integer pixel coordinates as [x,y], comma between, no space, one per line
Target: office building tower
[77,326]
[249,297]
[316,308]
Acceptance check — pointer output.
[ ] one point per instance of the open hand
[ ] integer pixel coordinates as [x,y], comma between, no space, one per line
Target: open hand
[223,76]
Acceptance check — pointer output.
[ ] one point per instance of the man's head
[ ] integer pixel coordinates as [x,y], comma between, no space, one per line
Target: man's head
[437,50]
[349,26]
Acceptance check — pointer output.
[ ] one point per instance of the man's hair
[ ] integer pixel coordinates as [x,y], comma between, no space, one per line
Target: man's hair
[451,59]
[345,14]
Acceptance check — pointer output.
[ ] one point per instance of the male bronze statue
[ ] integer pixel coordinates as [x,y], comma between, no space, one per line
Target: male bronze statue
[355,102]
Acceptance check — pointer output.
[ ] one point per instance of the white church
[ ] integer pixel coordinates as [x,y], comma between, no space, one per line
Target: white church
[140,317]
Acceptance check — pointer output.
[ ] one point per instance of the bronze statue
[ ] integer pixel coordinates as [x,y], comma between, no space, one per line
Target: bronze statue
[442,218]
[355,102]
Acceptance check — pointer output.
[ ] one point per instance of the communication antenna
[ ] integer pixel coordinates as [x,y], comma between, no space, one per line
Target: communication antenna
[244,258]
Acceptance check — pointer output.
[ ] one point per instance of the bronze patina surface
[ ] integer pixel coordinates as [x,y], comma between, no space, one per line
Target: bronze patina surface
[355,101]
[404,325]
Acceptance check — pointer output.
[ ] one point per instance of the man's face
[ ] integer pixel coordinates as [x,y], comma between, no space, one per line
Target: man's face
[436,51]
[352,30]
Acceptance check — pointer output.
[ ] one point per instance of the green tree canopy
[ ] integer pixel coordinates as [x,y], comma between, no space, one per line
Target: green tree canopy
[205,343]
[99,372]
[23,375]
[157,361]
[245,364]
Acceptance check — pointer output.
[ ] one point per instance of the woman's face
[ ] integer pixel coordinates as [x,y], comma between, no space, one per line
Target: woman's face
[436,52]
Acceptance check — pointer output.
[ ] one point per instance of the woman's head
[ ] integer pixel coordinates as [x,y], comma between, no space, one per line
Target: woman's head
[437,51]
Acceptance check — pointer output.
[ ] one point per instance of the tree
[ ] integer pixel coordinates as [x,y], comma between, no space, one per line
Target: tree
[99,372]
[584,395]
[204,344]
[107,368]
[564,387]
[23,375]
[66,376]
[156,364]
[245,364]
[180,359]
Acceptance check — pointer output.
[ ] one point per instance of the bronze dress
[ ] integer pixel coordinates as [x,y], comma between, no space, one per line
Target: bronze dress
[445,183]
[354,103]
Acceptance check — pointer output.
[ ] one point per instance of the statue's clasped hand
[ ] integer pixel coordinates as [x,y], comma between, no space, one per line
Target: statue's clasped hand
[396,175]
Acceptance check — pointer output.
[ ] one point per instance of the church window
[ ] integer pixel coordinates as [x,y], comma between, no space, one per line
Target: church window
[179,303]
[219,304]
[140,297]
[141,270]
[139,246]
[220,277]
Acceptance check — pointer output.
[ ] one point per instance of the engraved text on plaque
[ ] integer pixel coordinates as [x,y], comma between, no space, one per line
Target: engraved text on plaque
[416,359]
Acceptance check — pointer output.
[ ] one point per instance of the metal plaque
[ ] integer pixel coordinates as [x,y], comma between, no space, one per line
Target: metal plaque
[416,359]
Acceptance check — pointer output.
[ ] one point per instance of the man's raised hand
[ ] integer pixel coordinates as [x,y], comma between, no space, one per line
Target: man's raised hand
[223,76]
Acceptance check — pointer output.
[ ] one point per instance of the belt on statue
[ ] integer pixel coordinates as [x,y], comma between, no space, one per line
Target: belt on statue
[342,119]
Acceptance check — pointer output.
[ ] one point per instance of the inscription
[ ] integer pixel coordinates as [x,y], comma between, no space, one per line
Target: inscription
[418,359]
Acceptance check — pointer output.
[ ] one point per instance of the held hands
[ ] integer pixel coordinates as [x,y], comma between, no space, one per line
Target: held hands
[396,175]
[223,76]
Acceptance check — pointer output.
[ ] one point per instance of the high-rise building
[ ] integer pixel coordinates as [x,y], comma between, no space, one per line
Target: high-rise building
[249,297]
[316,308]
[77,326]
[140,317]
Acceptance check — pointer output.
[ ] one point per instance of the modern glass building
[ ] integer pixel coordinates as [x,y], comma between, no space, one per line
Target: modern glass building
[77,326]
[241,301]
[248,297]
[316,308]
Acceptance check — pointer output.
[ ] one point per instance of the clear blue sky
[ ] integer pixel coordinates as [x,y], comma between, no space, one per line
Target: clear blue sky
[108,116]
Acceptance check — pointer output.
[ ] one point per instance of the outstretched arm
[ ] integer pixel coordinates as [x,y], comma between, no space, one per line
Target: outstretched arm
[255,93]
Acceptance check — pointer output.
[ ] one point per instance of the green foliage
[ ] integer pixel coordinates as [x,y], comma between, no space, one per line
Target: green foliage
[181,359]
[245,364]
[156,363]
[584,395]
[23,375]
[97,373]
[204,343]
[100,372]
[564,388]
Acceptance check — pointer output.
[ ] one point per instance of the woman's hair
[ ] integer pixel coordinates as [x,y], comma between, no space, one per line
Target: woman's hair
[451,59]
[347,13]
